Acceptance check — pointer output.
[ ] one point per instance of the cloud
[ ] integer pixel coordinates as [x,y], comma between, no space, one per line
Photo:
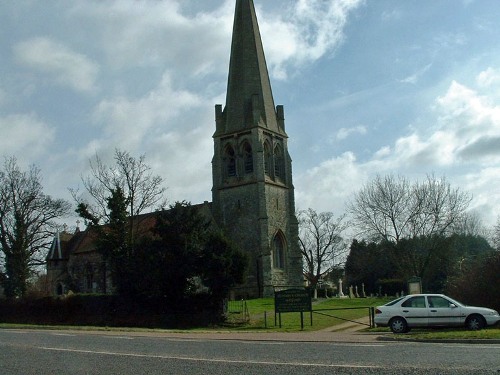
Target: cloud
[184,159]
[128,121]
[24,136]
[484,183]
[344,133]
[390,15]
[488,77]
[465,134]
[414,78]
[60,63]
[311,30]
[159,34]
[162,33]
[466,130]
[330,184]
[475,122]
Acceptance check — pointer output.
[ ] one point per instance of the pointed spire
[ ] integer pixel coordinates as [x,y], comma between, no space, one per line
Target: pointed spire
[249,100]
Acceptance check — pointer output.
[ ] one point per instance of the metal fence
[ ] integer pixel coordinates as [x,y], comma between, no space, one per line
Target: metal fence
[236,312]
[327,312]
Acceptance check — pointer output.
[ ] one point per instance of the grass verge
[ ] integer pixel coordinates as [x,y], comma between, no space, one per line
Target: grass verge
[490,333]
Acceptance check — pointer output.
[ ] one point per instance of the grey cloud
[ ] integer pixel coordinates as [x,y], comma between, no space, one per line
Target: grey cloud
[482,147]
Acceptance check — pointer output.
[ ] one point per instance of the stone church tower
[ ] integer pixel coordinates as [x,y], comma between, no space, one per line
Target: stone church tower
[253,194]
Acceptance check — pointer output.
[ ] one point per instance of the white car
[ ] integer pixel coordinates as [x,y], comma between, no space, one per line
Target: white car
[432,310]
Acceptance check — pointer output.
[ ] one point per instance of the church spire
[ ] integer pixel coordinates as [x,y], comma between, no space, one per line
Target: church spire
[249,101]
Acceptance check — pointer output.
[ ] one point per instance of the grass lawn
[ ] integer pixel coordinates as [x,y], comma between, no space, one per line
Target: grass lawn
[327,313]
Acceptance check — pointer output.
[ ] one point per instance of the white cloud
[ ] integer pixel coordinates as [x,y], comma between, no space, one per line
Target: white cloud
[314,29]
[24,136]
[488,77]
[328,186]
[344,133]
[466,130]
[475,122]
[415,77]
[184,159]
[62,64]
[486,195]
[127,122]
[157,33]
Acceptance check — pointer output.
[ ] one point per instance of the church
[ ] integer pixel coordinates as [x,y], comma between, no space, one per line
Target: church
[252,192]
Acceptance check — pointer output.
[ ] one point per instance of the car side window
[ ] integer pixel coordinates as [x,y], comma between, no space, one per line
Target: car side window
[415,302]
[438,302]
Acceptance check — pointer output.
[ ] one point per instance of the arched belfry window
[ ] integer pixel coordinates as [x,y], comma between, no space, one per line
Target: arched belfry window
[247,158]
[230,161]
[279,251]
[267,159]
[279,167]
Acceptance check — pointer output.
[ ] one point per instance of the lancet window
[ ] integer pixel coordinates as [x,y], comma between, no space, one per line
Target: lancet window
[279,251]
[267,159]
[247,158]
[279,168]
[230,161]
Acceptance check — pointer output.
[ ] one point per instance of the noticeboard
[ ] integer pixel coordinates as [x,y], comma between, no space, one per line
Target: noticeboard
[292,300]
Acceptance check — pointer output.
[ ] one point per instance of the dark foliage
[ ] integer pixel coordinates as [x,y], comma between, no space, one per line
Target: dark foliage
[110,310]
[368,263]
[372,263]
[180,234]
[179,258]
[186,256]
[478,282]
[114,239]
[222,265]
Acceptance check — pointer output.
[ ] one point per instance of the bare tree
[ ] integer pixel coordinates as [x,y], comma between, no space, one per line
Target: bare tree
[142,189]
[470,225]
[391,208]
[415,217]
[321,243]
[27,224]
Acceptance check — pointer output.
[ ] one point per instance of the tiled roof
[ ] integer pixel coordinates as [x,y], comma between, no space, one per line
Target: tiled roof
[65,244]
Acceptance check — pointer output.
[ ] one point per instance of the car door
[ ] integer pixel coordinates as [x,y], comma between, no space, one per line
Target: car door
[443,312]
[415,311]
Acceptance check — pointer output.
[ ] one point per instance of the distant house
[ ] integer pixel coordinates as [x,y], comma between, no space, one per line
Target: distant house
[252,194]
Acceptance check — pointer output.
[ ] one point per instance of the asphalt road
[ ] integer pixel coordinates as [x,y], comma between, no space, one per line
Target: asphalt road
[25,352]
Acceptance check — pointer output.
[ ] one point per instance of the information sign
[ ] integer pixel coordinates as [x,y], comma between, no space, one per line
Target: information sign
[292,300]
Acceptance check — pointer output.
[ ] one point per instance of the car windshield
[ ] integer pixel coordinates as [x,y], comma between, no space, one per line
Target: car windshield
[456,302]
[394,302]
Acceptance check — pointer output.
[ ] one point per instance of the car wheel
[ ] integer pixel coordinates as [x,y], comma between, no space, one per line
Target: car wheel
[398,325]
[475,322]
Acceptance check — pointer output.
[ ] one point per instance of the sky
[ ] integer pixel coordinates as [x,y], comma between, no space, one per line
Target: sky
[409,88]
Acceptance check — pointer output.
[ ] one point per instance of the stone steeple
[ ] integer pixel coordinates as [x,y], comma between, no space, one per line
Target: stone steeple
[253,194]
[249,100]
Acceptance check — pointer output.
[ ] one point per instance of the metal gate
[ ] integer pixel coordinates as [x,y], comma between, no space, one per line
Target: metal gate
[370,310]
